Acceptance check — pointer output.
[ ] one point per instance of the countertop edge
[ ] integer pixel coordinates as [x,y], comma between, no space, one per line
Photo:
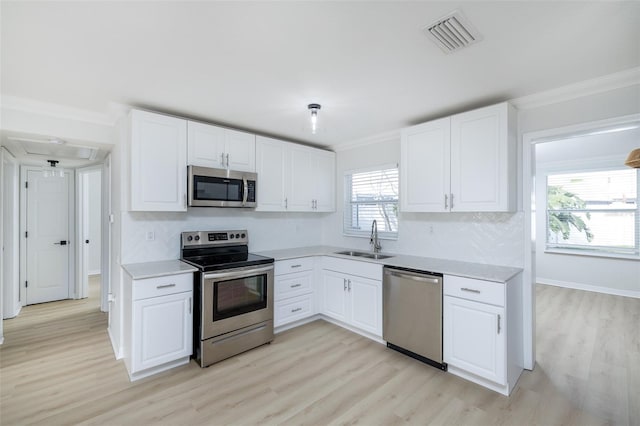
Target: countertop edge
[497,273]
[162,268]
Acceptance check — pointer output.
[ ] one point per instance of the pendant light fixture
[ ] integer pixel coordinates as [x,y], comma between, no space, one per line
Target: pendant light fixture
[52,171]
[633,160]
[314,108]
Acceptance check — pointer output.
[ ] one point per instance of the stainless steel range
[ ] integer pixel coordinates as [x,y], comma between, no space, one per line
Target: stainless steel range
[233,293]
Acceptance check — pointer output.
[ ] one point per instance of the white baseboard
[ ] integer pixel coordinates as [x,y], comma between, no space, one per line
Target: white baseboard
[587,287]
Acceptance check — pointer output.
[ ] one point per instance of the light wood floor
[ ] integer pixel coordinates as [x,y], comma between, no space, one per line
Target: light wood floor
[57,367]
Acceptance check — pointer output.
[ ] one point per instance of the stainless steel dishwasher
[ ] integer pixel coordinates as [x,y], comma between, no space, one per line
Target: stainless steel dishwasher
[412,314]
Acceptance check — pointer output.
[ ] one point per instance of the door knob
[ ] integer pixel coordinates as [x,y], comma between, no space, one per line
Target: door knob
[86,241]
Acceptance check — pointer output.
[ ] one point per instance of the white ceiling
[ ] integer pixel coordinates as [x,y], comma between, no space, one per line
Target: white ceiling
[256,65]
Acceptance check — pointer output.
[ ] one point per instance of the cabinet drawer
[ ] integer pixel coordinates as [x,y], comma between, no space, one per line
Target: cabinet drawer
[472,289]
[296,284]
[293,309]
[161,286]
[293,265]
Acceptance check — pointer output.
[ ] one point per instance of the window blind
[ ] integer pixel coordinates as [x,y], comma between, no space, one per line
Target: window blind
[371,195]
[594,211]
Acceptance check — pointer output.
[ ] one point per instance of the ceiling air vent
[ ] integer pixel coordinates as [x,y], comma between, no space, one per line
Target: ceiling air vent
[452,32]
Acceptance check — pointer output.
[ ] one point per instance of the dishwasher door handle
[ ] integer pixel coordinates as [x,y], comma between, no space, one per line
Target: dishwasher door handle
[413,277]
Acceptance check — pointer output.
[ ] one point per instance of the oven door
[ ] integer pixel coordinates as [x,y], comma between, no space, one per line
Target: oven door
[235,298]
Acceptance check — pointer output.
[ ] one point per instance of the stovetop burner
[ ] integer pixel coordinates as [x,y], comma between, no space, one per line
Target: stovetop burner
[218,250]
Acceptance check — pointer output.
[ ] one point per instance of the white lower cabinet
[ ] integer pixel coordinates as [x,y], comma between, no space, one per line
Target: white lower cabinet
[293,290]
[355,300]
[158,323]
[475,341]
[482,339]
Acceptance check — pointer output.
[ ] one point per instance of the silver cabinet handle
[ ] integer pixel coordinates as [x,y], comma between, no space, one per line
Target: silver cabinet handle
[189,305]
[222,159]
[165,286]
[349,281]
[227,160]
[286,203]
[296,310]
[452,201]
[446,201]
[470,290]
[498,323]
[184,200]
[295,285]
[296,266]
[344,282]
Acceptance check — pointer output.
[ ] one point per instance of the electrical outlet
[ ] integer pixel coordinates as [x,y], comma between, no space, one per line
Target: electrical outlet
[151,236]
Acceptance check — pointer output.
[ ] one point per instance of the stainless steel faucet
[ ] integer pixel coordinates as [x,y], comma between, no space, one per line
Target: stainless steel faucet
[374,237]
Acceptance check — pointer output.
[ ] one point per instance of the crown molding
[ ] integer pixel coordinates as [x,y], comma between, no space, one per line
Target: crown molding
[32,106]
[569,92]
[391,136]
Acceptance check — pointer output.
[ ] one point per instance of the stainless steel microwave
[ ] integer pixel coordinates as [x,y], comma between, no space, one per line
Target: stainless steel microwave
[210,187]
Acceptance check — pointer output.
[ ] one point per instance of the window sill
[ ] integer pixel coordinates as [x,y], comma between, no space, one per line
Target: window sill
[592,254]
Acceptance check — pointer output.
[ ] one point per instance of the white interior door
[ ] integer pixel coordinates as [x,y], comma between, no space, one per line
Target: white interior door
[48,237]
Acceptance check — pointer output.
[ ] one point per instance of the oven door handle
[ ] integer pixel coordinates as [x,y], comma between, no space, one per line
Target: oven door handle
[245,190]
[238,273]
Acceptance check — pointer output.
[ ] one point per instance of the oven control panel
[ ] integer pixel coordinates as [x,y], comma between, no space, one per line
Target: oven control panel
[208,238]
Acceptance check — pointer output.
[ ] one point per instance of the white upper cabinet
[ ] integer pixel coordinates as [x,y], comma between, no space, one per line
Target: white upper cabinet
[323,170]
[217,147]
[461,163]
[294,177]
[483,159]
[158,148]
[424,171]
[270,165]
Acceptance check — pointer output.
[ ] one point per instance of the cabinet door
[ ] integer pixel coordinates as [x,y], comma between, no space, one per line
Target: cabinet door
[324,180]
[241,148]
[481,160]
[270,155]
[334,292]
[162,330]
[365,304]
[299,180]
[158,162]
[424,167]
[206,145]
[474,338]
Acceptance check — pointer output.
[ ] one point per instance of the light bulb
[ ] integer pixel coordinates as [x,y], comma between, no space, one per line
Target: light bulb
[314,121]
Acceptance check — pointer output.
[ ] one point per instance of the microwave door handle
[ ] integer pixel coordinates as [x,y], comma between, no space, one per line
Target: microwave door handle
[245,191]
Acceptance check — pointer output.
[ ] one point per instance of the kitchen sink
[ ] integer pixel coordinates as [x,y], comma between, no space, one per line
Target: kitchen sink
[365,254]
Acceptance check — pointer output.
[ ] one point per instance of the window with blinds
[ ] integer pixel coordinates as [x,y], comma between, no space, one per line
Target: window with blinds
[594,212]
[371,195]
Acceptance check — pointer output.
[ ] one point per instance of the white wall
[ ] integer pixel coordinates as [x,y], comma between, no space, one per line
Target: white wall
[608,275]
[600,106]
[266,230]
[95,208]
[493,238]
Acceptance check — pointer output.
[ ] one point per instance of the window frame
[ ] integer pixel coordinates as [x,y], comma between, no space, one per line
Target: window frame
[584,250]
[347,203]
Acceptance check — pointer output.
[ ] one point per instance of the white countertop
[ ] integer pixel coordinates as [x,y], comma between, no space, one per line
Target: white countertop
[495,273]
[139,271]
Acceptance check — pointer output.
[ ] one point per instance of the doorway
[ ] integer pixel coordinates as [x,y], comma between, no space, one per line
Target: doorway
[530,180]
[89,231]
[47,254]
